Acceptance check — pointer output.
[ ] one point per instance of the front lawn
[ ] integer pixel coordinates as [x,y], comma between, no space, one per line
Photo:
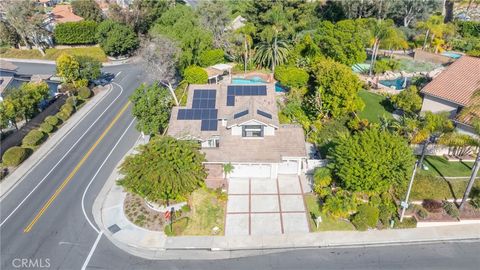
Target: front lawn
[427,186]
[440,166]
[375,106]
[52,53]
[328,223]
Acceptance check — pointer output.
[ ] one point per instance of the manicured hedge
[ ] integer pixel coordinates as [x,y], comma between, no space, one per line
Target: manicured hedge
[84,92]
[15,155]
[195,75]
[46,127]
[70,33]
[52,120]
[33,138]
[63,115]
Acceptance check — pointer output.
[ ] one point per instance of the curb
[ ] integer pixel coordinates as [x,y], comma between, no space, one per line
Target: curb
[51,62]
[14,178]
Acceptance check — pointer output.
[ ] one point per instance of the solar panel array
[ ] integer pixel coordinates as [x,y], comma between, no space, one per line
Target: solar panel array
[244,90]
[264,114]
[240,114]
[203,108]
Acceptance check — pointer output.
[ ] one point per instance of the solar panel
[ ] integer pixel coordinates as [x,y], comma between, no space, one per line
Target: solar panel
[240,114]
[197,94]
[209,125]
[262,113]
[181,114]
[230,100]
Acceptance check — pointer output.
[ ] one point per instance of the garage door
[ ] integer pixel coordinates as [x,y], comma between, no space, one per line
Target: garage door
[288,167]
[251,170]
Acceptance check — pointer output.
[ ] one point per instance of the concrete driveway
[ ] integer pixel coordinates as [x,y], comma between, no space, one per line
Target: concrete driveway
[265,206]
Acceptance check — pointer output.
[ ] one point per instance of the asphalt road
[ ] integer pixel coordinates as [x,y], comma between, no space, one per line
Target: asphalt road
[62,238]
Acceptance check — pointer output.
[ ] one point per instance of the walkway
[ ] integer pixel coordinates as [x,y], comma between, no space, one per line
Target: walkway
[265,206]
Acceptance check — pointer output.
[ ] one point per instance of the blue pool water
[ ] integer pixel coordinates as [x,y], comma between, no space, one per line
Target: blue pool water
[452,55]
[257,80]
[397,84]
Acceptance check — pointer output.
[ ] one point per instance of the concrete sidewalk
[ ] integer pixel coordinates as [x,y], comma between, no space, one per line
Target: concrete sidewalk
[108,211]
[15,177]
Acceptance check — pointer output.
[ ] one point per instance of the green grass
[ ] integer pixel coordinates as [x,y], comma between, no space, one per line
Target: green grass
[52,54]
[375,106]
[328,223]
[207,212]
[427,186]
[440,166]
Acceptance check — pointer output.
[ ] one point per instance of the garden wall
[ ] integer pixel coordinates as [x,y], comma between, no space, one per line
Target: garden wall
[421,55]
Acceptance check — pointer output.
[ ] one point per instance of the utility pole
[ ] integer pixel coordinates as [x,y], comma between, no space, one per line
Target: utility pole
[404,204]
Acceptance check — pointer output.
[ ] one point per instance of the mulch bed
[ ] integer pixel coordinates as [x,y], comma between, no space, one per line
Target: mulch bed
[141,215]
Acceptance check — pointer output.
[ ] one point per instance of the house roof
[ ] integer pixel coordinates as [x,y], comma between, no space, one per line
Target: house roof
[7,65]
[64,13]
[458,82]
[252,108]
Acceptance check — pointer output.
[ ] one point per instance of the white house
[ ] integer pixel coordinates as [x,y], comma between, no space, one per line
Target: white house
[239,124]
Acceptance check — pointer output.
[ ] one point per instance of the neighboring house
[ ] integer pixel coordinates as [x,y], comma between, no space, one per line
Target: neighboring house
[64,13]
[9,78]
[452,90]
[239,124]
[236,23]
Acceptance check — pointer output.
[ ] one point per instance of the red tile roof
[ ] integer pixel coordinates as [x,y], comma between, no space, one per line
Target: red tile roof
[64,13]
[458,82]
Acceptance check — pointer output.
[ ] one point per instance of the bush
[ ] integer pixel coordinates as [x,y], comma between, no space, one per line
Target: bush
[186,208]
[84,93]
[406,224]
[475,202]
[52,120]
[322,178]
[67,107]
[62,115]
[70,100]
[15,155]
[33,138]
[46,127]
[451,209]
[195,75]
[82,32]
[291,76]
[211,57]
[432,206]
[116,39]
[366,217]
[420,211]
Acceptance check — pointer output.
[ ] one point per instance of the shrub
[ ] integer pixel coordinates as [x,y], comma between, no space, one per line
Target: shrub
[432,206]
[211,57]
[420,211]
[82,32]
[62,115]
[451,209]
[15,155]
[116,39]
[291,76]
[407,223]
[67,107]
[186,208]
[195,75]
[46,127]
[475,202]
[366,217]
[84,93]
[322,177]
[52,120]
[33,138]
[70,100]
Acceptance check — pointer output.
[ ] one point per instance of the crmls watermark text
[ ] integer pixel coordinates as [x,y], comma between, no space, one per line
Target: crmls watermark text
[26,263]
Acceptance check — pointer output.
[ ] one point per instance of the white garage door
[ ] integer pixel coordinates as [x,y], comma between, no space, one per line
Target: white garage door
[288,167]
[251,170]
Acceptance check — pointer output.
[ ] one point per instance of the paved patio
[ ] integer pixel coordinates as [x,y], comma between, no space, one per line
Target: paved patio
[265,206]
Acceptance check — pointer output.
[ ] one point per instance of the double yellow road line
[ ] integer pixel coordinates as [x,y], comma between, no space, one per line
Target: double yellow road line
[75,170]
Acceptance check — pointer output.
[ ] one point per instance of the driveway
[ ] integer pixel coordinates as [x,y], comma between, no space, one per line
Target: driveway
[265,206]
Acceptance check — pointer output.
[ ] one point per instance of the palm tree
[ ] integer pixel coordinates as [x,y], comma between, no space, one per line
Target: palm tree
[472,113]
[247,31]
[380,31]
[435,31]
[272,53]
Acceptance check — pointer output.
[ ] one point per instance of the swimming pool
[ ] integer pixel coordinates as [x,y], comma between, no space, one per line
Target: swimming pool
[453,55]
[257,80]
[397,84]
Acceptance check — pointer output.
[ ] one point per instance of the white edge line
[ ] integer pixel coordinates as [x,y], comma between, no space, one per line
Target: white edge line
[4,195]
[87,260]
[96,173]
[63,157]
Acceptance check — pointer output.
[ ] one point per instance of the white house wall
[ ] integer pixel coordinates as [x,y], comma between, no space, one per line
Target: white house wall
[436,105]
[268,131]
[237,131]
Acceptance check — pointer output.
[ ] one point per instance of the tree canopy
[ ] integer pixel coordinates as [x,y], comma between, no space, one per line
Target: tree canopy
[372,161]
[164,169]
[88,10]
[116,39]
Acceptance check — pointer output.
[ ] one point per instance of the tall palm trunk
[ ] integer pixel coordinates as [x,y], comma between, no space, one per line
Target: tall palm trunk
[425,40]
[475,169]
[274,52]
[246,55]
[172,91]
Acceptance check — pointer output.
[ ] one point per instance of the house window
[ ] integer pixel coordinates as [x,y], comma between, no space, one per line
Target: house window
[252,131]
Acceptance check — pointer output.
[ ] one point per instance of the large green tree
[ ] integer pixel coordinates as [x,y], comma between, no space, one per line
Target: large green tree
[87,9]
[372,161]
[215,16]
[164,169]
[408,100]
[116,39]
[151,106]
[336,89]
